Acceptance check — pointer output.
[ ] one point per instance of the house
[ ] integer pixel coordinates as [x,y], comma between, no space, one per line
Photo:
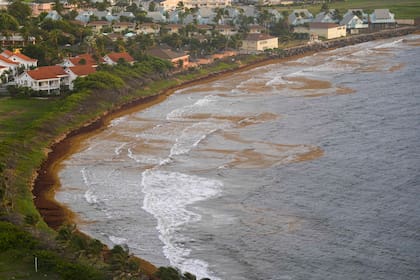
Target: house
[20,58]
[114,58]
[123,26]
[354,24]
[39,8]
[148,28]
[330,16]
[255,28]
[172,28]
[49,79]
[259,42]
[300,17]
[156,16]
[178,59]
[78,71]
[172,4]
[359,13]
[16,41]
[53,15]
[97,26]
[327,30]
[84,16]
[381,18]
[226,30]
[10,65]
[80,60]
[206,16]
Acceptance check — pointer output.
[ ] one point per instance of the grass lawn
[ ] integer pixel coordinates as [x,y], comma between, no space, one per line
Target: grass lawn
[15,266]
[403,9]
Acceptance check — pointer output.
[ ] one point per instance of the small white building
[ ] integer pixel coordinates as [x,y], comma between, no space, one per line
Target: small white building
[300,17]
[327,30]
[259,42]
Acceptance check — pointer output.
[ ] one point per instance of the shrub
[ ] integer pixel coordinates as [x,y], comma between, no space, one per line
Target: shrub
[12,237]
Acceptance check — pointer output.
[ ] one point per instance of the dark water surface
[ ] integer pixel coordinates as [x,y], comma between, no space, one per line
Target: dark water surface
[308,169]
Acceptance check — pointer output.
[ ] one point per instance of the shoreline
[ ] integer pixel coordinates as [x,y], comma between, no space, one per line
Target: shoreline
[47,181]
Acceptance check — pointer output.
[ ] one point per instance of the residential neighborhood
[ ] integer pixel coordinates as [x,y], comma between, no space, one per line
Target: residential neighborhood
[47,46]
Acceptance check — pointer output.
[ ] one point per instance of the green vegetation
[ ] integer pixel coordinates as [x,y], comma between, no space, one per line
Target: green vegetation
[28,125]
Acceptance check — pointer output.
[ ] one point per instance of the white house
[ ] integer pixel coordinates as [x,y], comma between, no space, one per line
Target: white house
[382,18]
[259,42]
[353,23]
[330,16]
[114,58]
[10,65]
[48,79]
[299,17]
[78,71]
[20,58]
[327,30]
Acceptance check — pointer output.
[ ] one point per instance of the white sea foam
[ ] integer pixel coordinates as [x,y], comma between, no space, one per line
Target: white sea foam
[167,196]
[193,135]
[90,197]
[117,121]
[179,114]
[118,149]
[117,240]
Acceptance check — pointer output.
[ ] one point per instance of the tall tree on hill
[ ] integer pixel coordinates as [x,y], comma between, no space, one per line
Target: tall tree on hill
[20,10]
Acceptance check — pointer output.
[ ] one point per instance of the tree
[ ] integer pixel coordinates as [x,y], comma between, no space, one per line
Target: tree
[8,24]
[152,6]
[20,10]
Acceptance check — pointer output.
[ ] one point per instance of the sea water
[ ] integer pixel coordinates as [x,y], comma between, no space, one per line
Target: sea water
[306,169]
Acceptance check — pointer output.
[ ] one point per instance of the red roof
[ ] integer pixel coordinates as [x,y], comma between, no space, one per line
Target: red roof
[7,53]
[124,55]
[47,72]
[87,57]
[24,57]
[8,61]
[82,70]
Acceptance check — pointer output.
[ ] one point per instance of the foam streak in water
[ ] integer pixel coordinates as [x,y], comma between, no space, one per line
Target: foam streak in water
[167,197]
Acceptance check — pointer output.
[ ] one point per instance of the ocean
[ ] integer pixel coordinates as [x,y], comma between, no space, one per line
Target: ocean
[305,169]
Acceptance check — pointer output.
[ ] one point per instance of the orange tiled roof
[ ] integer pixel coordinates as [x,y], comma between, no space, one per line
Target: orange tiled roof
[24,57]
[82,70]
[87,57]
[47,72]
[8,61]
[7,53]
[124,55]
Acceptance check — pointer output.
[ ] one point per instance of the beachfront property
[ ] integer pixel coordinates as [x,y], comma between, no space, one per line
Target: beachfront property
[20,58]
[178,59]
[381,19]
[327,30]
[117,57]
[78,71]
[48,79]
[81,59]
[172,4]
[258,42]
[300,17]
[354,24]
